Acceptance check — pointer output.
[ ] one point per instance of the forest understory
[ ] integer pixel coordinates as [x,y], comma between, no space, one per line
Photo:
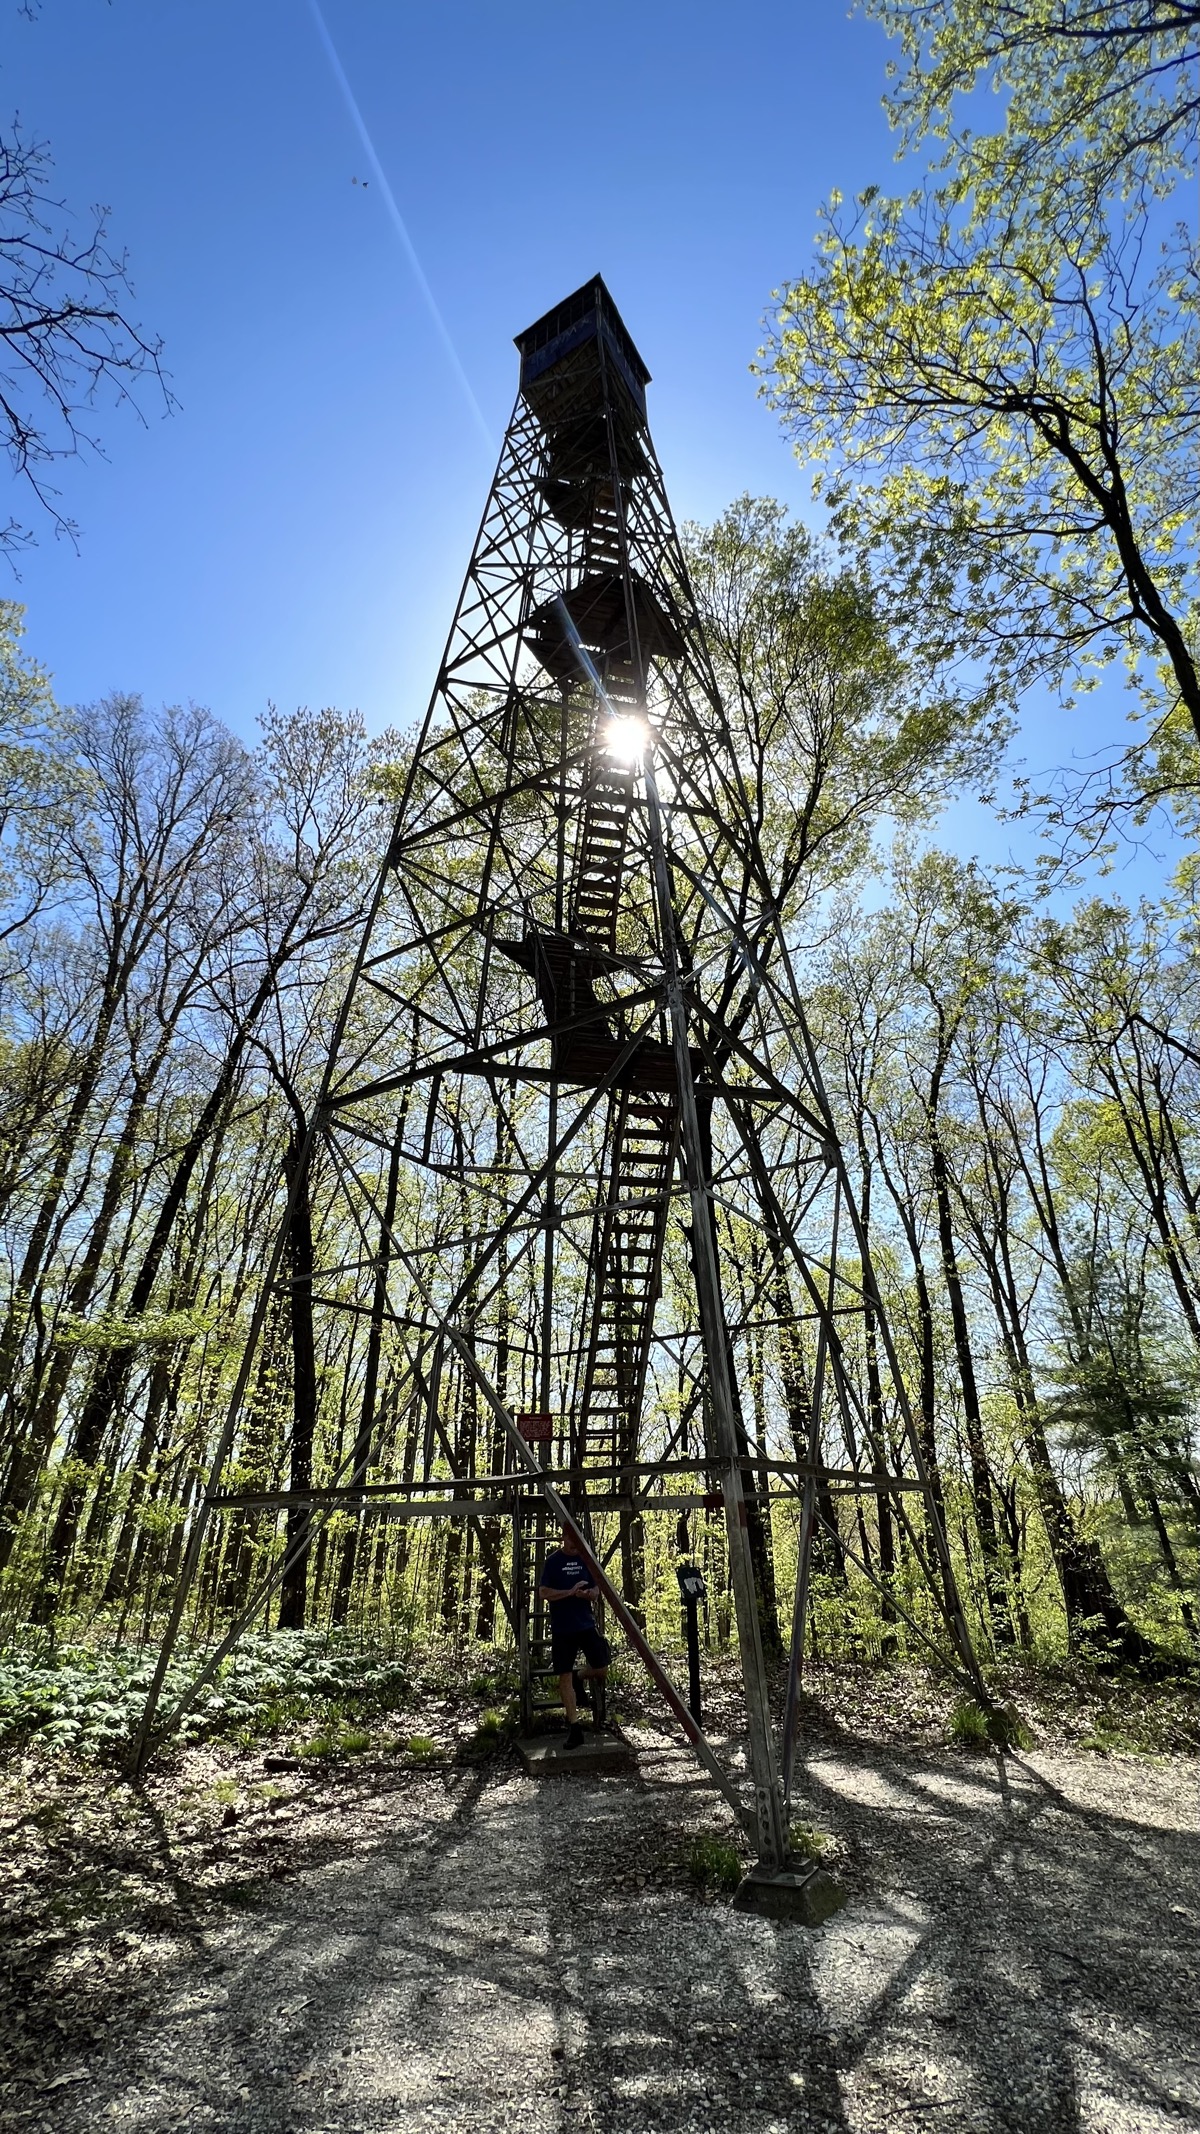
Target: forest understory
[372,1919]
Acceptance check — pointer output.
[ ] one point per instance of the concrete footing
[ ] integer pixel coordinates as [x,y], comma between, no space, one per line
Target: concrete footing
[545,1756]
[807,1895]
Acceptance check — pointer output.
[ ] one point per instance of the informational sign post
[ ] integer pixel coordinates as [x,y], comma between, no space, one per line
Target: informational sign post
[692,1590]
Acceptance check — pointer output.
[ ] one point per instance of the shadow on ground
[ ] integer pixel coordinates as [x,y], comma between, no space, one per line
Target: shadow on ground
[1019,1953]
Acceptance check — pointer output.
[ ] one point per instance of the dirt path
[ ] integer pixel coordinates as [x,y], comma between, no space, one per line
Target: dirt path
[444,1951]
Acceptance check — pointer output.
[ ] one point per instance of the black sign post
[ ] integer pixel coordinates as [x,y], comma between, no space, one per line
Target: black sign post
[692,1591]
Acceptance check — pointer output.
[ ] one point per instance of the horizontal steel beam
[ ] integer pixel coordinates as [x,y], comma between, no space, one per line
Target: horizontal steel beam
[846,1478]
[397,1505]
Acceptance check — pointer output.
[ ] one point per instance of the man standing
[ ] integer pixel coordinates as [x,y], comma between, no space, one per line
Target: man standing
[567,1587]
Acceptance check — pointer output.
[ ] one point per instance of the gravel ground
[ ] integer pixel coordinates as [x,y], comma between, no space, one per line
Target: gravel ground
[430,1951]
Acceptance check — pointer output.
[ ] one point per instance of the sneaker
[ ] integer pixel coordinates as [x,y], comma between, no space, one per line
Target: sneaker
[574,1738]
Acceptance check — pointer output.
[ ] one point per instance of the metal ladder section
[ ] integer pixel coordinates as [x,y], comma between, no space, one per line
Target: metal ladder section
[604,827]
[625,1260]
[530,1544]
[600,853]
[625,1275]
[603,547]
[534,1535]
[599,860]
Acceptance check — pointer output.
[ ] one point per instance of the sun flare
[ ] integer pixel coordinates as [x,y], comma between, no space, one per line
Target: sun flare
[627,739]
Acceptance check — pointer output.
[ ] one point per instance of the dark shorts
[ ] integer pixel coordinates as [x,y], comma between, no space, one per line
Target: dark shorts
[564,1644]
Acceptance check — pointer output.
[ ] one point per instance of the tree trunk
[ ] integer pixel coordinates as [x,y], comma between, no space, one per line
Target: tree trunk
[757,1524]
[293,1591]
[1088,1595]
[879,1447]
[107,1391]
[25,1286]
[361,1458]
[981,1482]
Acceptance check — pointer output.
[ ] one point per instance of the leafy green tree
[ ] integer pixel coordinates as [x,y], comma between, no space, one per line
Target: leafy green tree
[830,724]
[1007,415]
[41,783]
[831,721]
[1125,1391]
[1121,992]
[1108,86]
[996,373]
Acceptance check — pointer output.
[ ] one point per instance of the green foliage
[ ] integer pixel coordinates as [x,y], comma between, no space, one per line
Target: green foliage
[335,1741]
[832,723]
[714,1863]
[110,1331]
[499,1679]
[422,1748]
[495,1728]
[969,1725]
[1124,1384]
[809,1843]
[26,701]
[954,387]
[1006,1728]
[995,371]
[1109,1738]
[844,1617]
[41,786]
[91,1701]
[999,1726]
[1105,88]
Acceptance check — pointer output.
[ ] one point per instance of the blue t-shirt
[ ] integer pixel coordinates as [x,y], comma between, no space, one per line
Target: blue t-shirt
[565,1568]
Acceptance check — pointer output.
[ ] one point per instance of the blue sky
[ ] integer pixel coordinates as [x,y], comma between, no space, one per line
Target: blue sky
[298,529]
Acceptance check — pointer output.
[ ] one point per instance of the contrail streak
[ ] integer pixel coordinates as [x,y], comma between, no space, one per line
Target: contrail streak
[400,226]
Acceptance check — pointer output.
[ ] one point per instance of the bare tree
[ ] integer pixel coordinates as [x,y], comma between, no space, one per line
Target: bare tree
[68,339]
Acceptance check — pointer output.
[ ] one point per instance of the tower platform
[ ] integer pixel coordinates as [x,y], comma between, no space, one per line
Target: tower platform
[545,1755]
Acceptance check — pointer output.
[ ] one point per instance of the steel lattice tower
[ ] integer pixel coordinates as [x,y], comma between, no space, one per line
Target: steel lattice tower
[573,1024]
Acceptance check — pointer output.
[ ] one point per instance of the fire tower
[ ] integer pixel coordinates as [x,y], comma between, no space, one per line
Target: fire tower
[572,1058]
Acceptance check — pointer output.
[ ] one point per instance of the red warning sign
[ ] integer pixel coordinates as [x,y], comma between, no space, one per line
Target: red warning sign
[536,1429]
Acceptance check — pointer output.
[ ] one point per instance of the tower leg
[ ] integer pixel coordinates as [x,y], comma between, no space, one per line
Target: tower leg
[771,1832]
[805,1549]
[521,1600]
